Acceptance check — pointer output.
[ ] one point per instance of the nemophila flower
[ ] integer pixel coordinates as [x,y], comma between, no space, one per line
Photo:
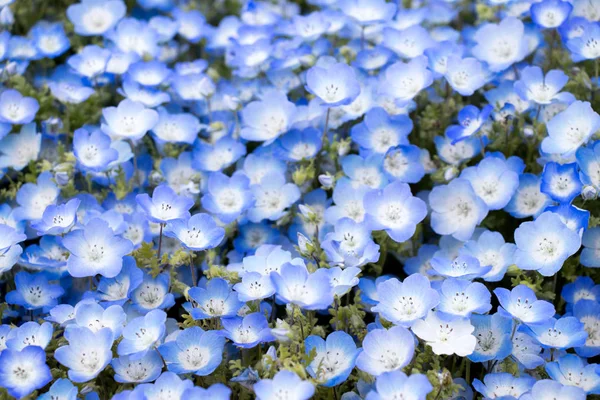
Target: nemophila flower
[68,87]
[403,81]
[379,131]
[403,303]
[295,285]
[561,182]
[227,197]
[528,200]
[34,291]
[490,249]
[547,388]
[193,351]
[470,121]
[348,202]
[588,160]
[534,86]
[545,244]
[583,288]
[404,164]
[33,198]
[167,382]
[58,219]
[493,335]
[284,384]
[147,96]
[93,150]
[249,331]
[455,154]
[61,389]
[550,13]
[10,257]
[117,290]
[365,171]
[461,297]
[272,197]
[350,245]
[267,119]
[446,334]
[50,38]
[95,17]
[22,372]
[588,313]
[334,83]
[96,317]
[216,300]
[465,75]
[334,360]
[90,62]
[366,12]
[87,353]
[217,156]
[95,249]
[410,42]
[149,73]
[527,351]
[298,145]
[396,384]
[254,286]
[522,305]
[16,109]
[152,293]
[503,385]
[501,45]
[193,87]
[571,370]
[178,128]
[129,120]
[381,352]
[373,58]
[9,236]
[217,391]
[29,334]
[267,259]
[456,209]
[134,35]
[342,280]
[493,181]
[146,369]
[18,150]
[165,205]
[141,334]
[583,46]
[570,129]
[575,218]
[590,255]
[561,334]
[62,314]
[198,233]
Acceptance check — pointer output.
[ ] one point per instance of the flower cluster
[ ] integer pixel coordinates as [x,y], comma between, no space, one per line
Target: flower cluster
[329,199]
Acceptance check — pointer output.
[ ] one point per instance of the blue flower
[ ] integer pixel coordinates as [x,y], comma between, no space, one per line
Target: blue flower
[588,160]
[142,334]
[198,233]
[570,129]
[350,245]
[283,383]
[193,351]
[87,353]
[272,197]
[501,45]
[16,109]
[365,171]
[267,119]
[446,334]
[582,46]
[295,285]
[528,200]
[403,81]
[50,38]
[146,369]
[395,210]
[381,352]
[588,313]
[465,75]
[456,209]
[461,297]
[61,389]
[227,197]
[249,331]
[561,182]
[547,388]
[545,244]
[404,164]
[493,181]
[470,121]
[18,150]
[396,384]
[571,370]
[216,300]
[590,255]
[334,360]
[90,62]
[455,154]
[149,73]
[95,317]
[153,293]
[334,83]
[534,86]
[254,286]
[117,290]
[298,145]
[217,156]
[176,128]
[583,288]
[129,120]
[403,303]
[165,205]
[490,249]
[575,218]
[57,220]
[348,202]
[134,35]
[522,305]
[379,131]
[167,382]
[368,12]
[493,335]
[29,334]
[93,150]
[24,371]
[527,351]
[499,385]
[95,249]
[33,291]
[561,334]
[95,17]
[216,391]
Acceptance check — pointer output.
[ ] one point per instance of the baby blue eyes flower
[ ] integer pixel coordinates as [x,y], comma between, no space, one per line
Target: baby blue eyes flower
[33,291]
[396,384]
[460,297]
[493,335]
[571,370]
[403,303]
[118,289]
[588,313]
[380,131]
[216,300]
[547,389]
[295,285]
[395,210]
[534,86]
[470,121]
[93,150]
[350,245]
[193,351]
[522,305]
[146,369]
[499,385]
[545,244]
[50,38]
[570,129]
[227,197]
[198,233]
[249,331]
[165,205]
[490,249]
[29,334]
[381,352]
[95,249]
[465,75]
[528,200]
[561,182]
[334,360]
[87,353]
[22,372]
[272,197]
[493,181]
[583,288]
[590,255]
[456,209]
[254,286]
[153,293]
[550,13]
[267,119]
[142,334]
[501,45]
[446,334]
[403,81]
[90,62]
[367,12]
[560,334]
[95,17]
[129,120]
[285,383]
[59,219]
[582,46]
[334,84]
[178,128]
[215,157]
[61,389]
[298,145]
